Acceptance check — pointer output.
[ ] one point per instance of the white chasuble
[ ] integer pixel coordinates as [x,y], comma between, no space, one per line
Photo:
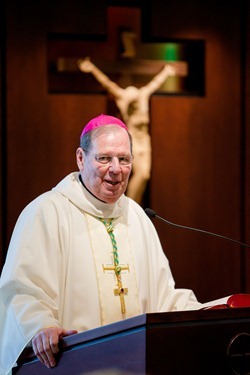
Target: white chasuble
[50,277]
[118,298]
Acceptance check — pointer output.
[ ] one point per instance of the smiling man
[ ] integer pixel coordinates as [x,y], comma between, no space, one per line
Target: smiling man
[83,254]
[105,162]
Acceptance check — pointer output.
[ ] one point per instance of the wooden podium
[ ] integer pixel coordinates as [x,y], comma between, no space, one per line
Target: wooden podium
[202,342]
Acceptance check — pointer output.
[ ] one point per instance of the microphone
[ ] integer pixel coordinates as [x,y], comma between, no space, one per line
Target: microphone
[152,214]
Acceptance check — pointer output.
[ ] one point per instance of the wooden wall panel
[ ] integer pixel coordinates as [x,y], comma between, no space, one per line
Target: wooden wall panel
[2,131]
[192,184]
[26,106]
[41,129]
[246,135]
[197,154]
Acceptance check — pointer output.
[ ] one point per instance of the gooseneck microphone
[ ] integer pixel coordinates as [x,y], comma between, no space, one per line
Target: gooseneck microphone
[152,214]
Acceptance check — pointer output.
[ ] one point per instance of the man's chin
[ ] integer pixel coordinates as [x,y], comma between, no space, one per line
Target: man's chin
[112,196]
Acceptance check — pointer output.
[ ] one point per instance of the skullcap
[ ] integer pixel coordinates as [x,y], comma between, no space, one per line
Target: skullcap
[102,120]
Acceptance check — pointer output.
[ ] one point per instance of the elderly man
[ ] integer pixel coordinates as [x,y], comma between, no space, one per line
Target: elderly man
[83,254]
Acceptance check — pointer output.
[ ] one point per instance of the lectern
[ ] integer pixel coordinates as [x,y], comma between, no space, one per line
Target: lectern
[202,342]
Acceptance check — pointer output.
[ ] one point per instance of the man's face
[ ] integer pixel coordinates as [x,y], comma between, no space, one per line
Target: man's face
[106,181]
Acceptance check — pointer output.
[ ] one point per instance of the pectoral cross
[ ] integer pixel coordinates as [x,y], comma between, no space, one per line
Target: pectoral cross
[120,291]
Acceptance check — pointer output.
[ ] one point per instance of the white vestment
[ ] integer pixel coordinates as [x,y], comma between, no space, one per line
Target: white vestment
[56,272]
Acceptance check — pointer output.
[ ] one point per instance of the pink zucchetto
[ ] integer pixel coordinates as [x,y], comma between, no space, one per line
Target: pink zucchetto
[101,121]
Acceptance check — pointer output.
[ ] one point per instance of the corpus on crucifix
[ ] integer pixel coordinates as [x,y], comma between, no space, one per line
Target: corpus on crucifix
[133,104]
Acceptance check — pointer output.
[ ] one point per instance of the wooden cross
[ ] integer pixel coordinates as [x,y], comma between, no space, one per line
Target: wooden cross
[135,64]
[120,291]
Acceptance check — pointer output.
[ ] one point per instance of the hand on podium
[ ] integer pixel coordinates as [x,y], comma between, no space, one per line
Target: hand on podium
[45,344]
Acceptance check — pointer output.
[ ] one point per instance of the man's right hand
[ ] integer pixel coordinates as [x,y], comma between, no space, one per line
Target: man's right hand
[45,344]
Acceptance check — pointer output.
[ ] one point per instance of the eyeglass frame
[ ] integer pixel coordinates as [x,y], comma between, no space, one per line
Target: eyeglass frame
[108,159]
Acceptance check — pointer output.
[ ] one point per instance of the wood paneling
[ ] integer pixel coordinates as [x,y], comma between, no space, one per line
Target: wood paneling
[197,153]
[246,143]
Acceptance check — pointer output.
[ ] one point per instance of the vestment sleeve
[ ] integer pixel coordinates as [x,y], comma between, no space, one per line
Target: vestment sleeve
[29,283]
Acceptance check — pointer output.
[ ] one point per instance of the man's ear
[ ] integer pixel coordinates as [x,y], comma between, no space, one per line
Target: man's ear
[80,158]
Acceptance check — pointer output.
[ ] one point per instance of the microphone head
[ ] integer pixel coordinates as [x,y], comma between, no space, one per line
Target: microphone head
[150,213]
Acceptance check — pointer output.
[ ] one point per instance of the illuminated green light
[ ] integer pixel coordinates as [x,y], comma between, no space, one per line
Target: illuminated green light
[172,52]
[161,51]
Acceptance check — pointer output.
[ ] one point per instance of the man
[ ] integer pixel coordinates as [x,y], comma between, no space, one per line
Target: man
[83,255]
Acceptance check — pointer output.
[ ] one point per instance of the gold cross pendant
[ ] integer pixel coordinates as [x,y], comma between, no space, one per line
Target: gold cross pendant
[121,292]
[116,269]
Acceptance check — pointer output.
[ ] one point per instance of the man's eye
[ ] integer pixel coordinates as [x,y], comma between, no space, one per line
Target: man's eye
[124,160]
[104,159]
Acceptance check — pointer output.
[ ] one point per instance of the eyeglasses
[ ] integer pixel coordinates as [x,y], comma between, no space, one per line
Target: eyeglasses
[106,159]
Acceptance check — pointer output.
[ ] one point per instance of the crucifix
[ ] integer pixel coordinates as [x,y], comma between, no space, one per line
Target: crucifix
[120,290]
[130,71]
[133,105]
[116,267]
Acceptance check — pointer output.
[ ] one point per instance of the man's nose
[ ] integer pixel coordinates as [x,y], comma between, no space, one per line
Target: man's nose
[115,165]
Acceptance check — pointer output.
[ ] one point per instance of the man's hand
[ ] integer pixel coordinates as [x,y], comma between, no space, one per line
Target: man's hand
[45,344]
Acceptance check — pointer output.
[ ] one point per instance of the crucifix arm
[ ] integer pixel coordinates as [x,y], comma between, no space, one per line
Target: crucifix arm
[160,78]
[86,66]
[170,69]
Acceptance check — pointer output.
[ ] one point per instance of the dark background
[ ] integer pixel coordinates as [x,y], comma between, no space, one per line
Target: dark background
[200,173]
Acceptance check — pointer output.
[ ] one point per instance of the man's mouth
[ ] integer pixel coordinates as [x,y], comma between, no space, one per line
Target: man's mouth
[113,182]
